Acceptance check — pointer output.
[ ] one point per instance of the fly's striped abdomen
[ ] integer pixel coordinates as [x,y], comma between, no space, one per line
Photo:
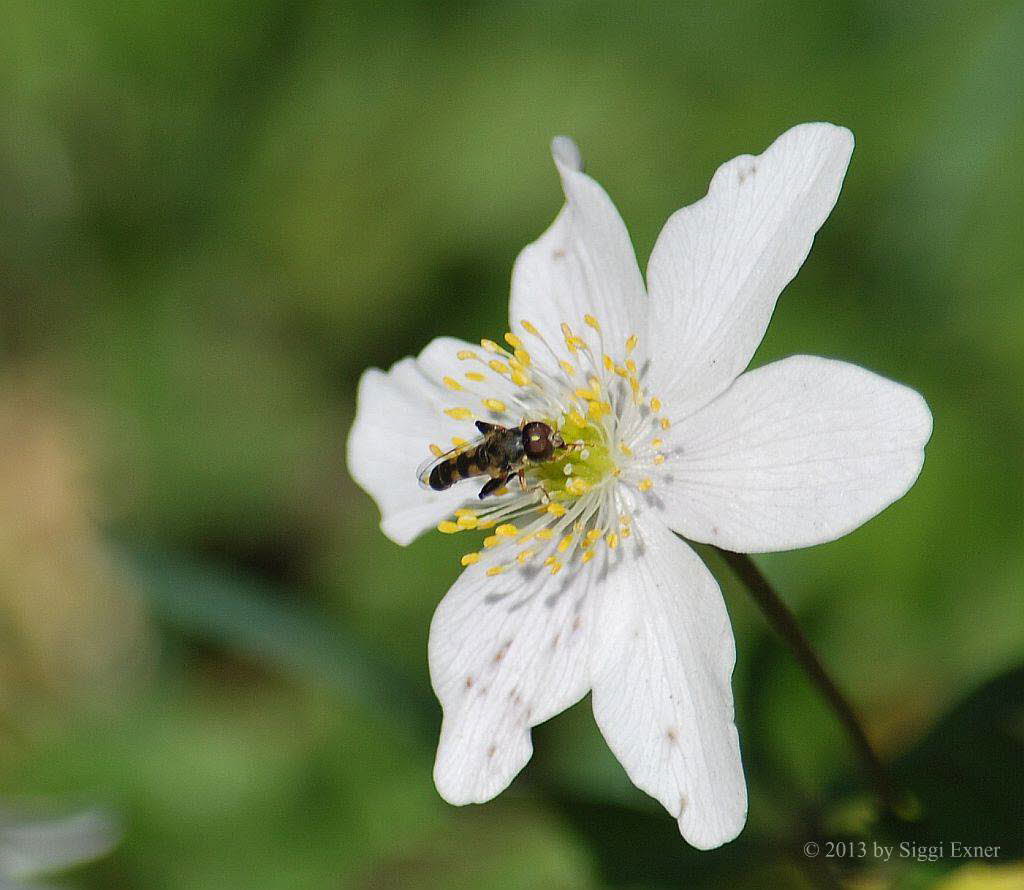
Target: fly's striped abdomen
[472,462]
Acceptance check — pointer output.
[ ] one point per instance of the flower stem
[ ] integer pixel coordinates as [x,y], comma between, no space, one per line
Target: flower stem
[784,621]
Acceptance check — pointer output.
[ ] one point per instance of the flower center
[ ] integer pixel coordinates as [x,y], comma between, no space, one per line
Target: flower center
[568,508]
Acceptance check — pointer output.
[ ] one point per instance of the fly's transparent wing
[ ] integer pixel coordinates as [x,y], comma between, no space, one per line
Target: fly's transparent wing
[426,468]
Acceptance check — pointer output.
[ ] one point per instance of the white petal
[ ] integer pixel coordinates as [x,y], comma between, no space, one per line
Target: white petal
[795,453]
[719,265]
[506,653]
[398,415]
[583,264]
[662,660]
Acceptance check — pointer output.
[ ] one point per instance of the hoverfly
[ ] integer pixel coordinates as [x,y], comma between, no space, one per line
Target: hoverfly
[499,452]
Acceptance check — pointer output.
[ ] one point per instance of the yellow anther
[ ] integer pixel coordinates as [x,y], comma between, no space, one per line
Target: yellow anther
[459,413]
[665,423]
[621,371]
[465,511]
[452,383]
[495,570]
[436,450]
[467,522]
[507,530]
[556,509]
[589,555]
[609,363]
[625,449]
[470,558]
[631,342]
[491,541]
[494,405]
[466,354]
[513,340]
[591,322]
[645,484]
[612,541]
[523,356]
[586,394]
[657,443]
[593,535]
[529,328]
[624,520]
[501,492]
[631,366]
[556,567]
[598,409]
[655,405]
[577,486]
[565,543]
[491,346]
[570,340]
[500,367]
[544,534]
[458,441]
[448,527]
[595,384]
[525,555]
[659,459]
[519,378]
[577,418]
[476,376]
[568,368]
[626,532]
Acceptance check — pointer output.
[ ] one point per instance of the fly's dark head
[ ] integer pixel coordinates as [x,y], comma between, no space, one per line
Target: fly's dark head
[540,441]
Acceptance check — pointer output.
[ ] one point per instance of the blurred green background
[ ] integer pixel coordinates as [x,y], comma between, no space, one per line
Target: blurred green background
[215,215]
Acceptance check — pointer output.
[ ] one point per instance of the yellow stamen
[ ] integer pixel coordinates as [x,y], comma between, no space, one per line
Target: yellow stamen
[544,534]
[459,413]
[612,540]
[593,535]
[592,322]
[665,423]
[476,376]
[500,367]
[491,346]
[465,511]
[577,418]
[491,541]
[589,555]
[523,356]
[657,443]
[565,543]
[631,342]
[513,340]
[506,531]
[556,509]
[525,555]
[520,379]
[494,405]
[609,364]
[467,522]
[655,405]
[659,458]
[448,527]
[625,449]
[436,450]
[565,366]
[586,395]
[529,328]
[495,570]
[452,383]
[458,441]
[645,484]
[466,354]
[470,558]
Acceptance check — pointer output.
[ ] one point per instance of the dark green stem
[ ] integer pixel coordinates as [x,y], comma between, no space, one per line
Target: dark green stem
[784,621]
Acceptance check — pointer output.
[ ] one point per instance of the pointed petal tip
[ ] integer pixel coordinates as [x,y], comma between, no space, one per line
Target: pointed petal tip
[566,153]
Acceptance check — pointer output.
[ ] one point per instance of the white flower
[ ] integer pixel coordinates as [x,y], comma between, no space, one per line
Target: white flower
[581,584]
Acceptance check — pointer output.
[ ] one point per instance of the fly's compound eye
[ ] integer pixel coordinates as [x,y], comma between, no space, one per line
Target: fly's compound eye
[537,443]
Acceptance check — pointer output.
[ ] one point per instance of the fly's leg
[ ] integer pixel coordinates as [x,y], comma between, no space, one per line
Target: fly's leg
[494,484]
